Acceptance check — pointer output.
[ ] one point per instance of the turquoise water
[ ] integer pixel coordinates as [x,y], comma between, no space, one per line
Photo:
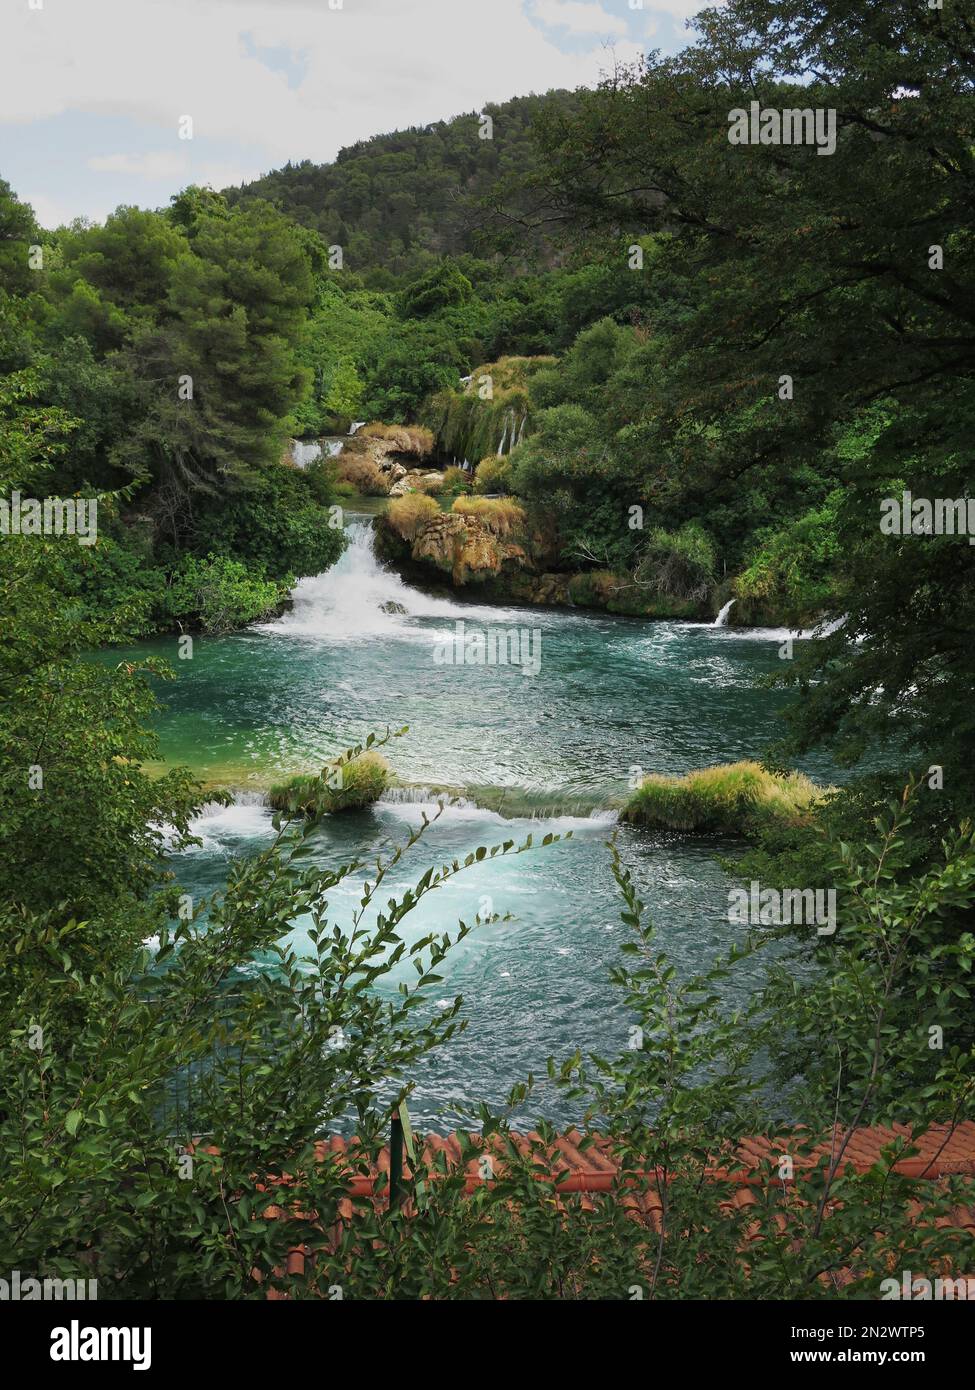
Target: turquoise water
[611,695]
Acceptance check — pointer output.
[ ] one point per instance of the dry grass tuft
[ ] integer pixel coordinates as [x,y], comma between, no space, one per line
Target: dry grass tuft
[407,514]
[501,515]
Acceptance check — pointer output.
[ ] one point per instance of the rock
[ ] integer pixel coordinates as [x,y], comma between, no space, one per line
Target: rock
[399,489]
[460,545]
[391,606]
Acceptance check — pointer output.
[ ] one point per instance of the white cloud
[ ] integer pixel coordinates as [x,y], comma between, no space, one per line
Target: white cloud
[154,165]
[50,212]
[578,17]
[372,66]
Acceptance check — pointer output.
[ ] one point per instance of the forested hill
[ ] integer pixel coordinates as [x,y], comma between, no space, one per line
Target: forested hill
[397,201]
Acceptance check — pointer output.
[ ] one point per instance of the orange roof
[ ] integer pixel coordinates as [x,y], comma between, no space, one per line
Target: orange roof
[942,1152]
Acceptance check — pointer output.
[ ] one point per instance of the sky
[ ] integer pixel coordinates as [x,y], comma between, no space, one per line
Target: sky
[94,93]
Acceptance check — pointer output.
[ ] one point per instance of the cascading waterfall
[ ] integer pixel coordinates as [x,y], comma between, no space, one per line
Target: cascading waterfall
[722,619]
[359,598]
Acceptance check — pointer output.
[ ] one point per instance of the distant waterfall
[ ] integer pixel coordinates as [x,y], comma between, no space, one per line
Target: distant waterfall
[306,451]
[722,619]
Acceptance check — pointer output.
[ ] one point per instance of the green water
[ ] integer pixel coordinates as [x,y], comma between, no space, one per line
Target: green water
[611,695]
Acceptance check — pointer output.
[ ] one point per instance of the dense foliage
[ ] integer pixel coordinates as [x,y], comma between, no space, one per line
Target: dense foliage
[704,365]
[163,351]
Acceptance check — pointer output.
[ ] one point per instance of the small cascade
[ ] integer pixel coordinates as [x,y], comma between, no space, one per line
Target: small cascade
[504,436]
[722,619]
[355,426]
[422,796]
[305,451]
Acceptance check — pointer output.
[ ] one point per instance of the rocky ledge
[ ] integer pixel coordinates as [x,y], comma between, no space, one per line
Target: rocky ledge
[514,569]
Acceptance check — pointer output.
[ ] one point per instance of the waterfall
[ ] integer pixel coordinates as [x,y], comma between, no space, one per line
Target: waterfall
[504,436]
[722,619]
[346,602]
[356,425]
[304,452]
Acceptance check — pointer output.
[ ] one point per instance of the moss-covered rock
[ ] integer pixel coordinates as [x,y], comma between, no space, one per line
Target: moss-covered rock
[730,799]
[344,786]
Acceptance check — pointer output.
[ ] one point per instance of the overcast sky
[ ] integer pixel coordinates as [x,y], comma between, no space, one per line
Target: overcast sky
[92,91]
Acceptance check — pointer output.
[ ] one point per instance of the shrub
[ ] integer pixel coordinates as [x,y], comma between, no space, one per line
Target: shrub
[679,565]
[731,799]
[501,515]
[791,573]
[427,487]
[279,525]
[455,480]
[493,474]
[398,439]
[365,475]
[218,594]
[343,786]
[407,514]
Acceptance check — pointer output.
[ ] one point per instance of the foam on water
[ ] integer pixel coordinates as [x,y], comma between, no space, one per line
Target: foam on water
[225,828]
[346,602]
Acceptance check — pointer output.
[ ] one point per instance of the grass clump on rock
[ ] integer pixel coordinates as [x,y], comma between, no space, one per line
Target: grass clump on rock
[501,515]
[343,786]
[407,514]
[731,799]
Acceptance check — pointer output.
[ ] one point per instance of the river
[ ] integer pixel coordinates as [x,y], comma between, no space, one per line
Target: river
[551,751]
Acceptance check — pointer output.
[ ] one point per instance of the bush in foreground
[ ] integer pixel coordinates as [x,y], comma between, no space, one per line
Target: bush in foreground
[730,799]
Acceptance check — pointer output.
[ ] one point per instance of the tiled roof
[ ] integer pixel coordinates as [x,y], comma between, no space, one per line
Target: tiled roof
[943,1151]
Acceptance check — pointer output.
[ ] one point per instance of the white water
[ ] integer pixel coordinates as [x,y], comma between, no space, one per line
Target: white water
[305,451]
[345,603]
[722,619]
